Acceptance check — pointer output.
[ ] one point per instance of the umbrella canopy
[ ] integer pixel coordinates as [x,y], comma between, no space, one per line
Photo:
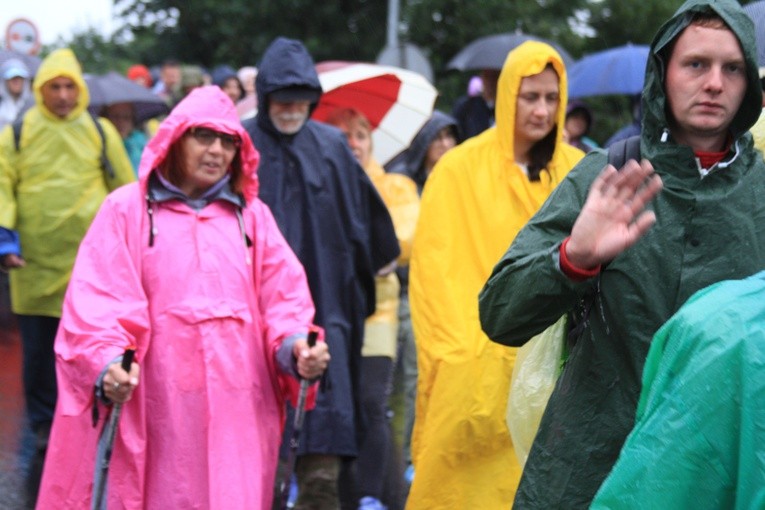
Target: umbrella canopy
[756,11]
[619,70]
[113,88]
[32,62]
[397,102]
[489,52]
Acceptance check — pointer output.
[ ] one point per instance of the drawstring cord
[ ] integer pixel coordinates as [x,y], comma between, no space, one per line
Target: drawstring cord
[245,237]
[239,218]
[150,212]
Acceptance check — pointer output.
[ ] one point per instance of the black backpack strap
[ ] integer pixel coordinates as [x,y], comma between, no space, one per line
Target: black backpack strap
[106,165]
[17,125]
[624,150]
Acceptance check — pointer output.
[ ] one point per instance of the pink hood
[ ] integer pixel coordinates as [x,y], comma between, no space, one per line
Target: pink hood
[207,107]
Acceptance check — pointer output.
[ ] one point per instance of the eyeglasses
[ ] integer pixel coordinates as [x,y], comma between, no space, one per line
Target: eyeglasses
[207,137]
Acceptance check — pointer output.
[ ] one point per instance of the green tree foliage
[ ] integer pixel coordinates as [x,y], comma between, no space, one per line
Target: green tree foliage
[444,27]
[236,32]
[636,21]
[97,54]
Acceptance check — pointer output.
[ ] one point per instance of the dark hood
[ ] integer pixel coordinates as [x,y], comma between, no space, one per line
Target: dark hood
[285,63]
[410,163]
[654,97]
[222,73]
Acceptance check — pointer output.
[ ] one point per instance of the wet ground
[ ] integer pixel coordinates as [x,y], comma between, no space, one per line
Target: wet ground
[12,463]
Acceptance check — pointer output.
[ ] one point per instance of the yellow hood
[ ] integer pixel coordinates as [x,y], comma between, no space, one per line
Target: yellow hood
[528,59]
[61,62]
[474,203]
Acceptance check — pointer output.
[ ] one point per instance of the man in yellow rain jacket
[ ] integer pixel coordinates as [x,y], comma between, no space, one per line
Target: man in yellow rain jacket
[50,190]
[478,197]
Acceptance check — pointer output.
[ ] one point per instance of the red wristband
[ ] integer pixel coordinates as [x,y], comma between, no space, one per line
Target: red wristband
[575,273]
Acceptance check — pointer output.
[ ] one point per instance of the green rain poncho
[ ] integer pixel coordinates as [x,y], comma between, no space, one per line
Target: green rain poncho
[52,188]
[707,230]
[698,440]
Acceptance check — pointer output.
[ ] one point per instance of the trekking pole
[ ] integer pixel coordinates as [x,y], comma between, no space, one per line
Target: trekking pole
[297,425]
[110,429]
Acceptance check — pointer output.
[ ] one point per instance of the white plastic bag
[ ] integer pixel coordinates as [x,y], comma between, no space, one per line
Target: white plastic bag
[537,367]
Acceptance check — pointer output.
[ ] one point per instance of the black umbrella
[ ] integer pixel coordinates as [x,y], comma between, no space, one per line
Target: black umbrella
[756,11]
[112,88]
[489,52]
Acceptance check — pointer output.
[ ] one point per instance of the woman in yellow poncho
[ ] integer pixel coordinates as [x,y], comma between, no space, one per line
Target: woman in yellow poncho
[478,197]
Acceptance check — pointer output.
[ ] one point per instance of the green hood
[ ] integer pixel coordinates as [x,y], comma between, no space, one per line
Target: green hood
[654,97]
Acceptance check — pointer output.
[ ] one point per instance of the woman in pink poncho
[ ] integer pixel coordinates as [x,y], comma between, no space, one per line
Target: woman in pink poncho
[190,267]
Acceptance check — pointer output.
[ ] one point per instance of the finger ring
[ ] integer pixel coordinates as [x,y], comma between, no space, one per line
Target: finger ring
[116,385]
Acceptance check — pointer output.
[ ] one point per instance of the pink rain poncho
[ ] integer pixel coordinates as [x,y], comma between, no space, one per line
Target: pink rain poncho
[207,314]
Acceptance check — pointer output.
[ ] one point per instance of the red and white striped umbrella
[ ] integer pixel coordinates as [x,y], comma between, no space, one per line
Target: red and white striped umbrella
[397,102]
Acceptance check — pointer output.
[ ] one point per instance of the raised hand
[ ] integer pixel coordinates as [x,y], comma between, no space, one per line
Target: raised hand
[613,217]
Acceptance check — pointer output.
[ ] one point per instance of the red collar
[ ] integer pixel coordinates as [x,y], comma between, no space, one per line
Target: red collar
[709,159]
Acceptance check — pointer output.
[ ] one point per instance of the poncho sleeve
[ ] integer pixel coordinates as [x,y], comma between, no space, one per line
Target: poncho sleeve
[8,179]
[105,308]
[511,318]
[285,300]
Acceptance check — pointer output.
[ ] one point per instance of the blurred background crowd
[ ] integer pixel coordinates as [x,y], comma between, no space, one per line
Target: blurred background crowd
[432,86]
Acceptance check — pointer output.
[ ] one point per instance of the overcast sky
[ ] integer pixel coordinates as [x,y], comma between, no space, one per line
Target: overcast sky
[54,18]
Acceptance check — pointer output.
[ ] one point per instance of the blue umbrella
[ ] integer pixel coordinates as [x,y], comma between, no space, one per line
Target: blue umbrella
[619,70]
[756,11]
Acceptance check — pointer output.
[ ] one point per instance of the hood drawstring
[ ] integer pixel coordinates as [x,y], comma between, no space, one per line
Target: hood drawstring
[239,217]
[150,212]
[245,237]
[737,149]
[664,135]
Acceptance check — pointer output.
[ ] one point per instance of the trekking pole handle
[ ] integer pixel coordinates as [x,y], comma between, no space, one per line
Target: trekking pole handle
[313,335]
[127,358]
[110,429]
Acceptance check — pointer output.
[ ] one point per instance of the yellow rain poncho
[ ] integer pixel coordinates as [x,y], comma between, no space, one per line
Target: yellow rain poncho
[399,193]
[758,132]
[474,203]
[52,188]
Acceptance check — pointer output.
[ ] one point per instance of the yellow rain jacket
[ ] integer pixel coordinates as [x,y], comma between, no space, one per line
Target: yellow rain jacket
[52,188]
[474,203]
[399,193]
[758,132]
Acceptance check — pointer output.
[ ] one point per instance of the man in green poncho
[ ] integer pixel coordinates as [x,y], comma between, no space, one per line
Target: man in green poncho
[699,441]
[634,245]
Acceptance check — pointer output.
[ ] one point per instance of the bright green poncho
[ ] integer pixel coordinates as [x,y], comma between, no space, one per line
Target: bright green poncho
[699,438]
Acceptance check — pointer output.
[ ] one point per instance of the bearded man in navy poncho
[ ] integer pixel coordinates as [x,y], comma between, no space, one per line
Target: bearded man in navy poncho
[337,225]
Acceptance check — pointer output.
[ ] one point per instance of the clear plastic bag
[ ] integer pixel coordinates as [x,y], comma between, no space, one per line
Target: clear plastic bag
[537,367]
